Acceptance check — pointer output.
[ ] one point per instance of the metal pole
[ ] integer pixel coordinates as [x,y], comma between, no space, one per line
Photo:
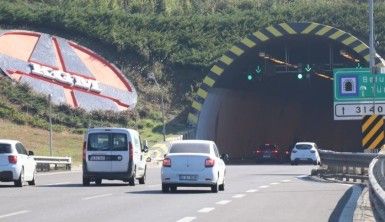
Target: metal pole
[152,76]
[372,51]
[50,124]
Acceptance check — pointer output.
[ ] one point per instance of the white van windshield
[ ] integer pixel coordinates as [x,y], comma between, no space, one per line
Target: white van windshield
[107,142]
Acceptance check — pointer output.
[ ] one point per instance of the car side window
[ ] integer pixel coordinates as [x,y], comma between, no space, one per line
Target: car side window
[216,150]
[20,149]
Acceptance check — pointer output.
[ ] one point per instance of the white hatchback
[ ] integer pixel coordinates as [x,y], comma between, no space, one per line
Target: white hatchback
[16,164]
[305,152]
[193,163]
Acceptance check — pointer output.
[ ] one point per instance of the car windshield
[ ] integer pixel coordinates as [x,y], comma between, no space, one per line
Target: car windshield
[303,146]
[5,148]
[190,148]
[107,142]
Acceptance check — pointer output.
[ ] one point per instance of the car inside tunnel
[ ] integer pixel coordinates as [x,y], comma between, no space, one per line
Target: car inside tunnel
[280,92]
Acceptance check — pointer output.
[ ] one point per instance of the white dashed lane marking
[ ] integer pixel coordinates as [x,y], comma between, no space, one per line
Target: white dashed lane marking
[274,183]
[263,187]
[97,196]
[223,202]
[239,196]
[14,214]
[285,181]
[251,191]
[186,219]
[206,210]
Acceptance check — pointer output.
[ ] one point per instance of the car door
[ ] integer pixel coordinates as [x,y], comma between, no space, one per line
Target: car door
[141,164]
[120,152]
[99,152]
[23,157]
[221,164]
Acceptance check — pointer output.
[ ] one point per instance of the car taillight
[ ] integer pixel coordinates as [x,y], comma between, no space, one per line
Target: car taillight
[287,152]
[209,162]
[312,151]
[167,162]
[84,150]
[258,151]
[131,151]
[12,159]
[275,151]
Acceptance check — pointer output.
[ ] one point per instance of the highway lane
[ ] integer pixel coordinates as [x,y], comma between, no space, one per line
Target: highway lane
[253,192]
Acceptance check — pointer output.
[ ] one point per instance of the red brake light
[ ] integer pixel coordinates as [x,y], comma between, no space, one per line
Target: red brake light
[209,162]
[287,152]
[275,151]
[258,151]
[131,151]
[12,159]
[167,162]
[84,150]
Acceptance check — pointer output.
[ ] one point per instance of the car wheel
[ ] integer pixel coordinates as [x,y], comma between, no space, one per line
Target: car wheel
[173,188]
[98,182]
[86,181]
[19,182]
[165,188]
[142,180]
[292,163]
[315,162]
[214,188]
[222,186]
[33,182]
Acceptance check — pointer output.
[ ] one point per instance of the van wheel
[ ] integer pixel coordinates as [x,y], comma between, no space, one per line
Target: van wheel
[86,181]
[173,188]
[214,188]
[131,180]
[165,188]
[19,182]
[143,179]
[98,182]
[222,186]
[32,182]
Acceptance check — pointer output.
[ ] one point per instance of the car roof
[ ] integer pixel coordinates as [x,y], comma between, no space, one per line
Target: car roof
[110,129]
[305,143]
[9,141]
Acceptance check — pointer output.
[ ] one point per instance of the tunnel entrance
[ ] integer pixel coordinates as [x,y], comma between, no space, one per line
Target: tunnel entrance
[279,92]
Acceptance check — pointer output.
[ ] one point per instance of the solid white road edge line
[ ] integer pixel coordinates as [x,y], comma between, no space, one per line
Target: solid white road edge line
[302,176]
[186,219]
[223,202]
[206,210]
[14,214]
[55,184]
[239,196]
[348,211]
[97,196]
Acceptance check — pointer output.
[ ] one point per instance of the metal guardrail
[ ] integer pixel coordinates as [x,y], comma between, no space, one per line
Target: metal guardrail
[344,165]
[44,163]
[377,185]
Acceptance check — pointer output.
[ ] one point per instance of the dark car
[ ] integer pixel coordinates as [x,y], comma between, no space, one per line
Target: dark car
[269,152]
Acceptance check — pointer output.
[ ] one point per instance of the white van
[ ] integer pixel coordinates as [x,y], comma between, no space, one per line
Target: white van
[113,154]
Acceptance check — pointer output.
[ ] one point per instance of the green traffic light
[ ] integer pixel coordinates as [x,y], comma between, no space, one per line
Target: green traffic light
[300,76]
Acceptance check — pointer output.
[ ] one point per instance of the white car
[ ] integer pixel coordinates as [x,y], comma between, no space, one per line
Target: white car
[113,154]
[305,152]
[193,163]
[16,164]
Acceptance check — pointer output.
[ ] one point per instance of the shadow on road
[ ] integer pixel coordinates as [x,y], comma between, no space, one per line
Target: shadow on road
[169,193]
[81,185]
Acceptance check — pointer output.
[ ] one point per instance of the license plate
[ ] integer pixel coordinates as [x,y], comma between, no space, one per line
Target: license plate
[97,158]
[188,177]
[266,156]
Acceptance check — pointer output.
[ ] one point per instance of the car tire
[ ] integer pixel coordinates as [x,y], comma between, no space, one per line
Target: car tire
[19,182]
[315,162]
[292,163]
[165,188]
[142,180]
[33,181]
[86,181]
[222,186]
[98,182]
[214,188]
[173,188]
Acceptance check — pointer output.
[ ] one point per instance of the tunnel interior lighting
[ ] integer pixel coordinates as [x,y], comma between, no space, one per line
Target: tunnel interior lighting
[300,76]
[348,56]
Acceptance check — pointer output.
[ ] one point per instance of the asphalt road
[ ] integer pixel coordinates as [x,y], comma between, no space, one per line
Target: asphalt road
[252,193]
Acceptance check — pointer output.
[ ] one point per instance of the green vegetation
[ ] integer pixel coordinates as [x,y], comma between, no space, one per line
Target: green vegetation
[178,40]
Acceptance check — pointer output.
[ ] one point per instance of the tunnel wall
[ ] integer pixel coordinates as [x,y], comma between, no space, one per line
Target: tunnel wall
[239,121]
